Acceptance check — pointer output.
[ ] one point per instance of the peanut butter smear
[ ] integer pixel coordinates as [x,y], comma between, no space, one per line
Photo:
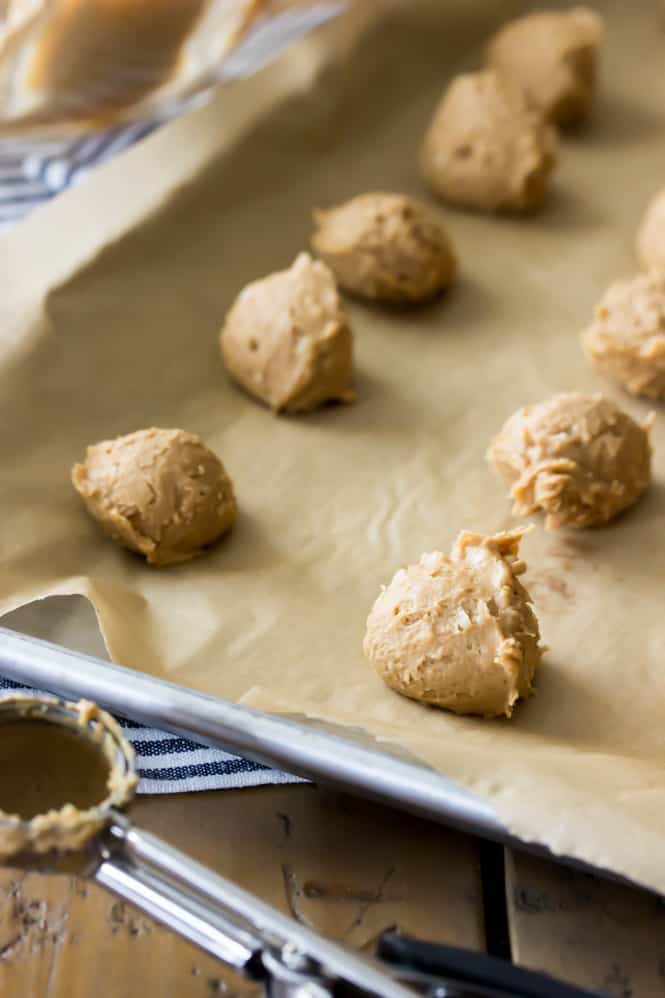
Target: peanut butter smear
[108,55]
[71,64]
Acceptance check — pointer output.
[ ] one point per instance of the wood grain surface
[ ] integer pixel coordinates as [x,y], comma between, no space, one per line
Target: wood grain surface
[594,932]
[346,867]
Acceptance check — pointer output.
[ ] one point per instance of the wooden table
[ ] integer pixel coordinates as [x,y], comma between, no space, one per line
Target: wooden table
[346,867]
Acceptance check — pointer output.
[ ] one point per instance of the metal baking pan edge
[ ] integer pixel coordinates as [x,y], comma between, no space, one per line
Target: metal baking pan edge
[266,738]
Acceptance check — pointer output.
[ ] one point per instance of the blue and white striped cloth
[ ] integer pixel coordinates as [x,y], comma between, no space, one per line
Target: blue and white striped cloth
[30,175]
[168,764]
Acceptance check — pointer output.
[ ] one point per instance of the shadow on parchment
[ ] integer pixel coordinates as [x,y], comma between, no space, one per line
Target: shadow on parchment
[229,553]
[619,120]
[612,544]
[565,209]
[569,709]
[452,311]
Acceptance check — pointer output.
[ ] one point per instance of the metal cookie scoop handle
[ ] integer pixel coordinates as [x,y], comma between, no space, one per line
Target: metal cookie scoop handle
[290,960]
[228,922]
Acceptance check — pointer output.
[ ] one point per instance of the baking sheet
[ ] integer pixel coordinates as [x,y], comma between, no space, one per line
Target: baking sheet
[110,303]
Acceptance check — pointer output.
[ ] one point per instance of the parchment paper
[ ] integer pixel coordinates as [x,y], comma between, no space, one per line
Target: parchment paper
[110,303]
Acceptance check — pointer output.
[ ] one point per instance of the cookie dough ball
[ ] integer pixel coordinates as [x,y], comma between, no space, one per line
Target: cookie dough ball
[458,632]
[552,55]
[485,148]
[160,493]
[577,458]
[626,340]
[388,247]
[651,234]
[287,341]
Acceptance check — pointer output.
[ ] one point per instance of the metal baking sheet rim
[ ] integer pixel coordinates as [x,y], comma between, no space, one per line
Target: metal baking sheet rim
[266,738]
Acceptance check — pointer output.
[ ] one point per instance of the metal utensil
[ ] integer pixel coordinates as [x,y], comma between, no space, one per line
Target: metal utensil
[213,913]
[301,749]
[98,841]
[270,739]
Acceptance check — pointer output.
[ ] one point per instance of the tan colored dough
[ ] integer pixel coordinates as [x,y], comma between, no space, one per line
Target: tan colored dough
[287,341]
[552,55]
[161,493]
[485,149]
[577,458]
[626,340]
[388,247]
[651,233]
[458,632]
[87,754]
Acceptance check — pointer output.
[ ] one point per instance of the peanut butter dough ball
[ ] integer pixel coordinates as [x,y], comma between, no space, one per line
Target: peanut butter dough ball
[626,340]
[486,149]
[161,493]
[651,234]
[287,340]
[388,247]
[458,632]
[552,55]
[577,458]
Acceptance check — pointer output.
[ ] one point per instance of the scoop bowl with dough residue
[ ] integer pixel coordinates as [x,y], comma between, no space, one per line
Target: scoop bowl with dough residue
[459,632]
[161,493]
[577,458]
[67,767]
[385,247]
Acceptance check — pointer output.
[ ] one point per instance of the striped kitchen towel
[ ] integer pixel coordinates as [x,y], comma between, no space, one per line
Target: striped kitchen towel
[169,764]
[30,175]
